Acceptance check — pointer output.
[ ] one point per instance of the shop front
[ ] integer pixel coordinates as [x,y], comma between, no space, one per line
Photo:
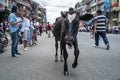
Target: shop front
[2,11]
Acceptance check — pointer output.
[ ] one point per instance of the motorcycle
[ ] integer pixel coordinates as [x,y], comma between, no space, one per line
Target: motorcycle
[3,41]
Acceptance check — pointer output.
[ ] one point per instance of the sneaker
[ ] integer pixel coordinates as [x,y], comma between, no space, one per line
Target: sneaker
[17,56]
[19,53]
[28,47]
[25,49]
[107,46]
[95,46]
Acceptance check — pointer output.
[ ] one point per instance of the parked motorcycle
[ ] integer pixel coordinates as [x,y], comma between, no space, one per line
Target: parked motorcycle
[3,41]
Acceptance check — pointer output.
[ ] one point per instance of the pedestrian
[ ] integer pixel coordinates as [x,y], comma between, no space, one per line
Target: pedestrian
[13,26]
[100,29]
[26,31]
[40,29]
[1,28]
[36,23]
[19,17]
[4,26]
[32,32]
[48,29]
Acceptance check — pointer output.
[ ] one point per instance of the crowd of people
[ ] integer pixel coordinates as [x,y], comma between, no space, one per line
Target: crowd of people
[25,28]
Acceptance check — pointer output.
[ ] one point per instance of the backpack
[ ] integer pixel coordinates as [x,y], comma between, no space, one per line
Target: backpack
[49,28]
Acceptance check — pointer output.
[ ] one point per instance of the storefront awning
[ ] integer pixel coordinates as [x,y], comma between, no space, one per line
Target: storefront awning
[39,12]
[115,19]
[24,3]
[39,17]
[114,9]
[118,8]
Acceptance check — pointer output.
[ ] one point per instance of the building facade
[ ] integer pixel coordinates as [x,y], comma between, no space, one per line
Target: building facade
[29,6]
[91,6]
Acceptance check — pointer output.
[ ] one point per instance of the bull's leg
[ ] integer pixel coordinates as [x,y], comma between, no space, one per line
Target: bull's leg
[65,56]
[56,46]
[76,54]
[61,54]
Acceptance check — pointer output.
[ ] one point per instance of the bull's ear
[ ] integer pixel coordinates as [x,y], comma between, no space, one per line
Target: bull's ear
[86,17]
[63,14]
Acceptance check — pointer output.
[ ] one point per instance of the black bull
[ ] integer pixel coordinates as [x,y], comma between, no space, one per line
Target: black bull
[66,30]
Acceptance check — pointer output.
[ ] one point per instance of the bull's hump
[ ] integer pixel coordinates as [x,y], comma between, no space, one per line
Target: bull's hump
[71,17]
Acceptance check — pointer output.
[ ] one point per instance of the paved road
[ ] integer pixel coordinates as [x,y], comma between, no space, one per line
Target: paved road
[38,62]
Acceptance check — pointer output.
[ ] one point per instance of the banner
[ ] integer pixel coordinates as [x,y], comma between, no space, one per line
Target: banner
[106,4]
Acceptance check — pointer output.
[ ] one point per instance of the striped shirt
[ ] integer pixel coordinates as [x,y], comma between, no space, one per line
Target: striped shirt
[101,22]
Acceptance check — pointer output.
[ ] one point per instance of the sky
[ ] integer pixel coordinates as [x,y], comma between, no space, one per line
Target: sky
[54,7]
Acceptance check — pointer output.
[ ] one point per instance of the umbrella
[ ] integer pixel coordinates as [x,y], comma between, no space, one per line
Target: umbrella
[86,17]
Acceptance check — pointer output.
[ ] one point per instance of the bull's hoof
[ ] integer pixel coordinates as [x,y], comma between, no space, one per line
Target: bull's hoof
[65,73]
[61,60]
[74,65]
[56,60]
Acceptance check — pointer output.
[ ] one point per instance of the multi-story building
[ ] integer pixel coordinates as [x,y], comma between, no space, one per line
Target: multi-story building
[81,7]
[94,6]
[100,4]
[118,9]
[3,8]
[24,4]
[88,5]
[91,6]
[2,5]
[115,12]
[28,6]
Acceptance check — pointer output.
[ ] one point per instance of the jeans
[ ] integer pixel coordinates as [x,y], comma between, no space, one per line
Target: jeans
[31,35]
[14,46]
[104,37]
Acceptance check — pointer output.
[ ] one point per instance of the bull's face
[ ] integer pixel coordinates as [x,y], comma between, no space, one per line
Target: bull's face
[70,27]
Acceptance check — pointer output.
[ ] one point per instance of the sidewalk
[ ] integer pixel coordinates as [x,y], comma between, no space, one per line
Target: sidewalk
[44,35]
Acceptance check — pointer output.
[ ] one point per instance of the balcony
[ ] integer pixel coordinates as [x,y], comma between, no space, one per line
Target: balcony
[118,8]
[24,2]
[87,1]
[93,5]
[115,4]
[100,2]
[88,8]
[2,3]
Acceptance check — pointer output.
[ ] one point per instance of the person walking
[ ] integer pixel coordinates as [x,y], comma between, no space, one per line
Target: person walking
[100,29]
[40,29]
[13,26]
[48,29]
